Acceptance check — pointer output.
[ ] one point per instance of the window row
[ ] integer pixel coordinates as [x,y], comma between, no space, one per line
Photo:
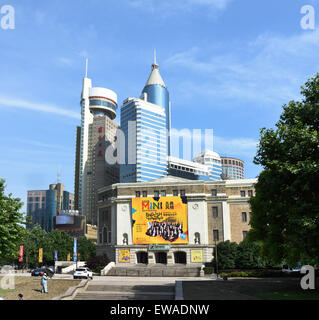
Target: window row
[216,235]
[243,193]
[161,193]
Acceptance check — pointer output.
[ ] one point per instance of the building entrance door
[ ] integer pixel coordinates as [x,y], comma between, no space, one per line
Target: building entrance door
[180,257]
[142,257]
[161,257]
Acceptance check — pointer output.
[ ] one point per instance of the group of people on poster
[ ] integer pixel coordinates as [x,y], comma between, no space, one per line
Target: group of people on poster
[167,230]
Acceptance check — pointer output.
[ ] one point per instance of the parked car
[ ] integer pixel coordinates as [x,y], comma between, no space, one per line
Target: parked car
[83,273]
[40,271]
[288,269]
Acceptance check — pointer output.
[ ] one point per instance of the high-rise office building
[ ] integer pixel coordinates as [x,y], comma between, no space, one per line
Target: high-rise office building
[213,161]
[145,123]
[233,168]
[97,133]
[155,91]
[144,128]
[44,205]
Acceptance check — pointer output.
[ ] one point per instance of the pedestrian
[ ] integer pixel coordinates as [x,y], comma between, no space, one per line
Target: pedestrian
[44,283]
[20,296]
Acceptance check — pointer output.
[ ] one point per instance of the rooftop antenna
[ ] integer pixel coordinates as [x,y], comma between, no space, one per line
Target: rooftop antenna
[86,67]
[59,176]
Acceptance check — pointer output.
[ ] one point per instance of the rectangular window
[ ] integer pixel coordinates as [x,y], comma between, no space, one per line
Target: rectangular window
[215,212]
[30,199]
[244,216]
[214,192]
[156,193]
[244,234]
[243,193]
[175,193]
[144,194]
[250,193]
[182,193]
[216,235]
[137,194]
[163,193]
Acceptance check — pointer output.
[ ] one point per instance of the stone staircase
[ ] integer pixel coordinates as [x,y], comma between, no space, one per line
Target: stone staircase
[128,292]
[154,271]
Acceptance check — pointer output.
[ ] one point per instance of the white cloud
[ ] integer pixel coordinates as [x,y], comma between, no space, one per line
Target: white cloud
[171,6]
[65,61]
[268,70]
[240,147]
[42,107]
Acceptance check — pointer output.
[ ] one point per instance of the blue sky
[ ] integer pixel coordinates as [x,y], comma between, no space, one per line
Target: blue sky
[228,64]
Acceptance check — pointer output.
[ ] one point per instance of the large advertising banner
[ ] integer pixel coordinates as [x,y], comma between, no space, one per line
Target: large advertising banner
[159,222]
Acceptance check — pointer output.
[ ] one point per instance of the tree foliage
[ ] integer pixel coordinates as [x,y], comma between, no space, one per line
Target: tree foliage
[226,255]
[285,209]
[97,263]
[36,238]
[11,223]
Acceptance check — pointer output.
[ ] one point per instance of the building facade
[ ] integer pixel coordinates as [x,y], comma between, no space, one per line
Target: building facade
[233,168]
[207,212]
[95,136]
[44,205]
[213,161]
[144,127]
[156,92]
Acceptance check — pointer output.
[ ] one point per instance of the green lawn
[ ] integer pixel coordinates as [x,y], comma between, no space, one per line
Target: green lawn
[292,295]
[2,291]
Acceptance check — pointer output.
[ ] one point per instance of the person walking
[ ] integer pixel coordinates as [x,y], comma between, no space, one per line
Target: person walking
[20,296]
[44,283]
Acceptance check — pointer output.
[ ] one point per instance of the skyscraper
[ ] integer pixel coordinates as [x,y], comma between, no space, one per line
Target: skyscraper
[233,168]
[155,91]
[144,128]
[145,123]
[97,133]
[213,161]
[43,205]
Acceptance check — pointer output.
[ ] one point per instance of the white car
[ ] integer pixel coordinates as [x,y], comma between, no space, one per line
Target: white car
[83,273]
[287,269]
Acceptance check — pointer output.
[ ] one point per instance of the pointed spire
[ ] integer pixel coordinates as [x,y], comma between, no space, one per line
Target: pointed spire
[86,67]
[155,77]
[59,175]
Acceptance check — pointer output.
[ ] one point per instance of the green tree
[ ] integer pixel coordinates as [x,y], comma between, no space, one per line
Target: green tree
[249,255]
[60,241]
[227,254]
[285,209]
[33,239]
[86,248]
[11,224]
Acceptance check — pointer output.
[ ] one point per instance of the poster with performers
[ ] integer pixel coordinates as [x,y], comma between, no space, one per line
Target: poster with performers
[124,256]
[160,221]
[197,255]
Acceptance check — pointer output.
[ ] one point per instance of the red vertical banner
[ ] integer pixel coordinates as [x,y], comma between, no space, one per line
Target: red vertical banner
[21,254]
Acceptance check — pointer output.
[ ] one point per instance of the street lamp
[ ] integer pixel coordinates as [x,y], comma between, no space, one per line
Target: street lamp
[216,257]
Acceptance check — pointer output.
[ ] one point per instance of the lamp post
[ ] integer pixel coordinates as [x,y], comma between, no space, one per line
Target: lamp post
[216,257]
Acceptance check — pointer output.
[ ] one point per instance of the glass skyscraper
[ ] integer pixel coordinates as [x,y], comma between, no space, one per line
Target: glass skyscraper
[145,123]
[144,127]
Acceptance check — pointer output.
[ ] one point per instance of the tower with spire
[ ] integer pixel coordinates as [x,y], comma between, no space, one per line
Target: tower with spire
[156,92]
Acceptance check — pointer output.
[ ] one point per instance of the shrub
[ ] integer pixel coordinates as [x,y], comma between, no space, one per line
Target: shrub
[96,264]
[227,254]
